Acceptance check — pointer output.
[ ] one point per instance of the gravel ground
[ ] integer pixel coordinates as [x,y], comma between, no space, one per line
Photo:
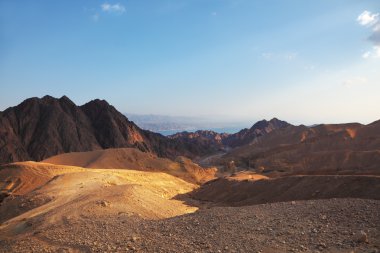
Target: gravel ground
[330,225]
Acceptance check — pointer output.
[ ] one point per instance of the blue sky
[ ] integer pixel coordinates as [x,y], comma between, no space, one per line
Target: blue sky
[237,60]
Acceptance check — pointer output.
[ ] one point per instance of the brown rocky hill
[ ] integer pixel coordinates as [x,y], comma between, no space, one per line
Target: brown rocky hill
[322,149]
[42,127]
[205,140]
[259,129]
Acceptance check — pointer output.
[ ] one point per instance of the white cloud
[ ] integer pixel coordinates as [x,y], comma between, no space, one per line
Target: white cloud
[373,54]
[366,55]
[366,18]
[355,81]
[113,8]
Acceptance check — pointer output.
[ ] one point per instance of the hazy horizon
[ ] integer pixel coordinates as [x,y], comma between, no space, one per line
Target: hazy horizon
[204,122]
[233,60]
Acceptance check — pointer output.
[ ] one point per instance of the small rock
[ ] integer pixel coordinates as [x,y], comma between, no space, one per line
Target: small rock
[321,246]
[362,237]
[103,203]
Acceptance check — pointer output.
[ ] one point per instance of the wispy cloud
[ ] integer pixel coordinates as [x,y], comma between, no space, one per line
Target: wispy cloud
[279,56]
[113,8]
[354,81]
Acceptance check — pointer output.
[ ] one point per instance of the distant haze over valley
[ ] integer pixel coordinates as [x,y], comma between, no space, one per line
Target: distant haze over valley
[168,125]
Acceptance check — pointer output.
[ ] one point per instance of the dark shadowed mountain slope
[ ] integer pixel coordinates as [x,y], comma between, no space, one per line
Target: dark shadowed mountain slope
[42,127]
[38,128]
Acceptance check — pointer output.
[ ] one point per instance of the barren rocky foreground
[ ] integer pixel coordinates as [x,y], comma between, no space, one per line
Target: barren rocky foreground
[334,225]
[62,208]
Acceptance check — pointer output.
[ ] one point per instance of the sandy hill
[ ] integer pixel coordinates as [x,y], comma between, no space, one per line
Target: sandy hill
[134,159]
[48,192]
[323,149]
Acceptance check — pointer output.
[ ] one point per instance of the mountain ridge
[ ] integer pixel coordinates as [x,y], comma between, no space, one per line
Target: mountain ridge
[38,128]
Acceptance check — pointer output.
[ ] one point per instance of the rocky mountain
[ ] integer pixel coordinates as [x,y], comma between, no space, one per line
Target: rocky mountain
[205,141]
[259,129]
[42,127]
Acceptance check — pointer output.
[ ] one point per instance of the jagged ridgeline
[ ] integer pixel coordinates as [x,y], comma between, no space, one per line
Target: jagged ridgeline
[39,128]
[42,127]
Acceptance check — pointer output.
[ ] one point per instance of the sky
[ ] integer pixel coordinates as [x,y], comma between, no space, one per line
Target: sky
[302,61]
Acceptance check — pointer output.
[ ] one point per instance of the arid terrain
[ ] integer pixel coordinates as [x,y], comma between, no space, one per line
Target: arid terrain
[62,208]
[272,188]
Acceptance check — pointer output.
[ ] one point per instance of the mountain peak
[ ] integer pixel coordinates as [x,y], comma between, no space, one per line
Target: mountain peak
[279,123]
[260,124]
[274,123]
[97,103]
[64,99]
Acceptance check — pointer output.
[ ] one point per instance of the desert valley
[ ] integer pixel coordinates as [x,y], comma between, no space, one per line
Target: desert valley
[190,126]
[86,179]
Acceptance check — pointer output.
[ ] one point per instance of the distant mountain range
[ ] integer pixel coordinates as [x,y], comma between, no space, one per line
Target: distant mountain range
[206,139]
[39,128]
